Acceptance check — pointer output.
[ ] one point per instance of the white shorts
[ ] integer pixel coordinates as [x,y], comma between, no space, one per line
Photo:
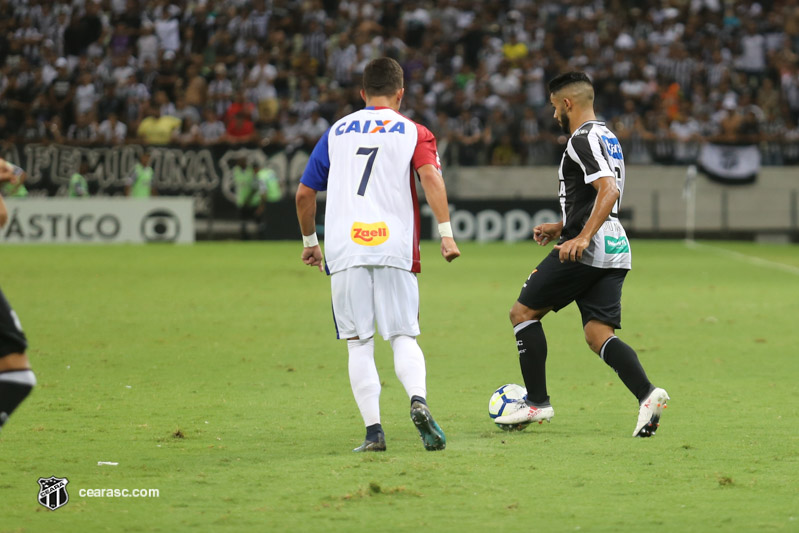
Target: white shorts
[364,294]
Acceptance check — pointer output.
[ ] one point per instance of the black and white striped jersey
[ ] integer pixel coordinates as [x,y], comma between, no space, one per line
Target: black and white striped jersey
[593,152]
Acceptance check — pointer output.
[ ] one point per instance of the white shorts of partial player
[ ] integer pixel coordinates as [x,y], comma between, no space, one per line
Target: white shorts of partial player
[365,294]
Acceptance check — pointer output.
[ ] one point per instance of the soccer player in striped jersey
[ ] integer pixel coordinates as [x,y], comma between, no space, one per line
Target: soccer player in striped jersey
[587,266]
[16,377]
[368,162]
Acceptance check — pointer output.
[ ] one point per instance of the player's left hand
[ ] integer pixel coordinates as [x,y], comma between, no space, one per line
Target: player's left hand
[449,250]
[312,256]
[572,250]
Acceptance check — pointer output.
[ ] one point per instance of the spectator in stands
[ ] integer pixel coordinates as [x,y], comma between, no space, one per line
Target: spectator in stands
[83,132]
[220,90]
[469,135]
[263,71]
[290,134]
[167,28]
[456,54]
[165,105]
[85,94]
[196,87]
[31,131]
[111,130]
[188,133]
[212,130]
[184,111]
[147,44]
[53,131]
[530,135]
[109,102]
[122,69]
[241,129]
[313,127]
[685,131]
[154,128]
[239,105]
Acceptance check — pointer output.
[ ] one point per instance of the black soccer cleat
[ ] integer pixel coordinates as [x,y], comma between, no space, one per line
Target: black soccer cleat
[372,446]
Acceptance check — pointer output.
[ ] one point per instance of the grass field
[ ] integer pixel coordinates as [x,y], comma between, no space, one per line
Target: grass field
[212,374]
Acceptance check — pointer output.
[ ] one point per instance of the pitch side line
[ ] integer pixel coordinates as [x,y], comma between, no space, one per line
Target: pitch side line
[752,260]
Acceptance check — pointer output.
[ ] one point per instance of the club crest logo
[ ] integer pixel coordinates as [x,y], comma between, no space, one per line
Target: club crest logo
[53,492]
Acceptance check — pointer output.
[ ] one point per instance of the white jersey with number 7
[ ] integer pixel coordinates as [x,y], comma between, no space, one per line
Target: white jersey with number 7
[366,162]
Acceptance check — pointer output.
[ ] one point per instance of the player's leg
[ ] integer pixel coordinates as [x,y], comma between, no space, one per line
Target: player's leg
[600,307]
[353,312]
[16,378]
[397,312]
[549,287]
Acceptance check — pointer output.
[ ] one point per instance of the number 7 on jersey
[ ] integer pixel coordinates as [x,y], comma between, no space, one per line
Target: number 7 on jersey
[367,172]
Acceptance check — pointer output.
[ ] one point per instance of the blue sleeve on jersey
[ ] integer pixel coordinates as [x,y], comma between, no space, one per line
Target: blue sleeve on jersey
[315,175]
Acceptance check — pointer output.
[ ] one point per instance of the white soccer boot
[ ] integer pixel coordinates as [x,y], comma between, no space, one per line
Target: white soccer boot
[526,414]
[649,413]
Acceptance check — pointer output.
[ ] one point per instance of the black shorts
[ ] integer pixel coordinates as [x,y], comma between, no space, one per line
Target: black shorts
[12,339]
[597,291]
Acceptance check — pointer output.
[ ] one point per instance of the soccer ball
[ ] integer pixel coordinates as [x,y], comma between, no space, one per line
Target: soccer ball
[503,402]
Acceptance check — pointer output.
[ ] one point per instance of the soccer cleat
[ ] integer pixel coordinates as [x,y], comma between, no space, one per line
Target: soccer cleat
[430,432]
[527,413]
[373,446]
[649,413]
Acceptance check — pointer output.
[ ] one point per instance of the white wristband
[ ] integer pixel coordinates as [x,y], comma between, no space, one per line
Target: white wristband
[310,241]
[445,229]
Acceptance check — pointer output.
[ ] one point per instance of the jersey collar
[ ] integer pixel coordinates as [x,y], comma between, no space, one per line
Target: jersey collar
[600,122]
[373,107]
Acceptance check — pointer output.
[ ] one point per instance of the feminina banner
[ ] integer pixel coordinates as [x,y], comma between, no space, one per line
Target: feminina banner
[204,173]
[728,164]
[98,220]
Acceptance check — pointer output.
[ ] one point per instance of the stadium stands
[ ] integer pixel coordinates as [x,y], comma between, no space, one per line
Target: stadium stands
[668,73]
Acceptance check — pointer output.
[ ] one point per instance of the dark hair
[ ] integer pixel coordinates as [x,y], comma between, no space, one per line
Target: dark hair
[382,77]
[567,78]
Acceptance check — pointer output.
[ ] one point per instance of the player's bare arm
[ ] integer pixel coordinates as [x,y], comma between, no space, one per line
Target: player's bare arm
[607,194]
[3,212]
[306,214]
[546,233]
[436,193]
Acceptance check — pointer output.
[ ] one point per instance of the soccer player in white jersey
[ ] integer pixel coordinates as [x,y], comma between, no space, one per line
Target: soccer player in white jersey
[368,162]
[587,266]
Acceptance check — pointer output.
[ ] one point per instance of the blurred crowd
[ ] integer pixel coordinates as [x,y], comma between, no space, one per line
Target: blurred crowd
[668,73]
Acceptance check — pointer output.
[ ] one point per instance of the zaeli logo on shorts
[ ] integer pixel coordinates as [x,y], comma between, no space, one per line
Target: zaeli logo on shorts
[53,492]
[369,234]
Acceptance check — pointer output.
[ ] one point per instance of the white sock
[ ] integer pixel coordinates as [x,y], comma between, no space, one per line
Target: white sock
[364,379]
[409,365]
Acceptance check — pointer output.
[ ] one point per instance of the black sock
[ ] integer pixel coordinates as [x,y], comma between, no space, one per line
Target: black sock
[419,399]
[532,345]
[373,432]
[623,359]
[14,387]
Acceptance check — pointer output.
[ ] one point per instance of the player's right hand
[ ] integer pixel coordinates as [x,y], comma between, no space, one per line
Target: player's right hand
[312,256]
[449,250]
[546,233]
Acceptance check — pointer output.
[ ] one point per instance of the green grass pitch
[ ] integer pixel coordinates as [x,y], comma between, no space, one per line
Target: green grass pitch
[212,374]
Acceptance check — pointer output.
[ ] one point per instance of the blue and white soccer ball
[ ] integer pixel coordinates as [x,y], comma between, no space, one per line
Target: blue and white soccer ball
[504,401]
